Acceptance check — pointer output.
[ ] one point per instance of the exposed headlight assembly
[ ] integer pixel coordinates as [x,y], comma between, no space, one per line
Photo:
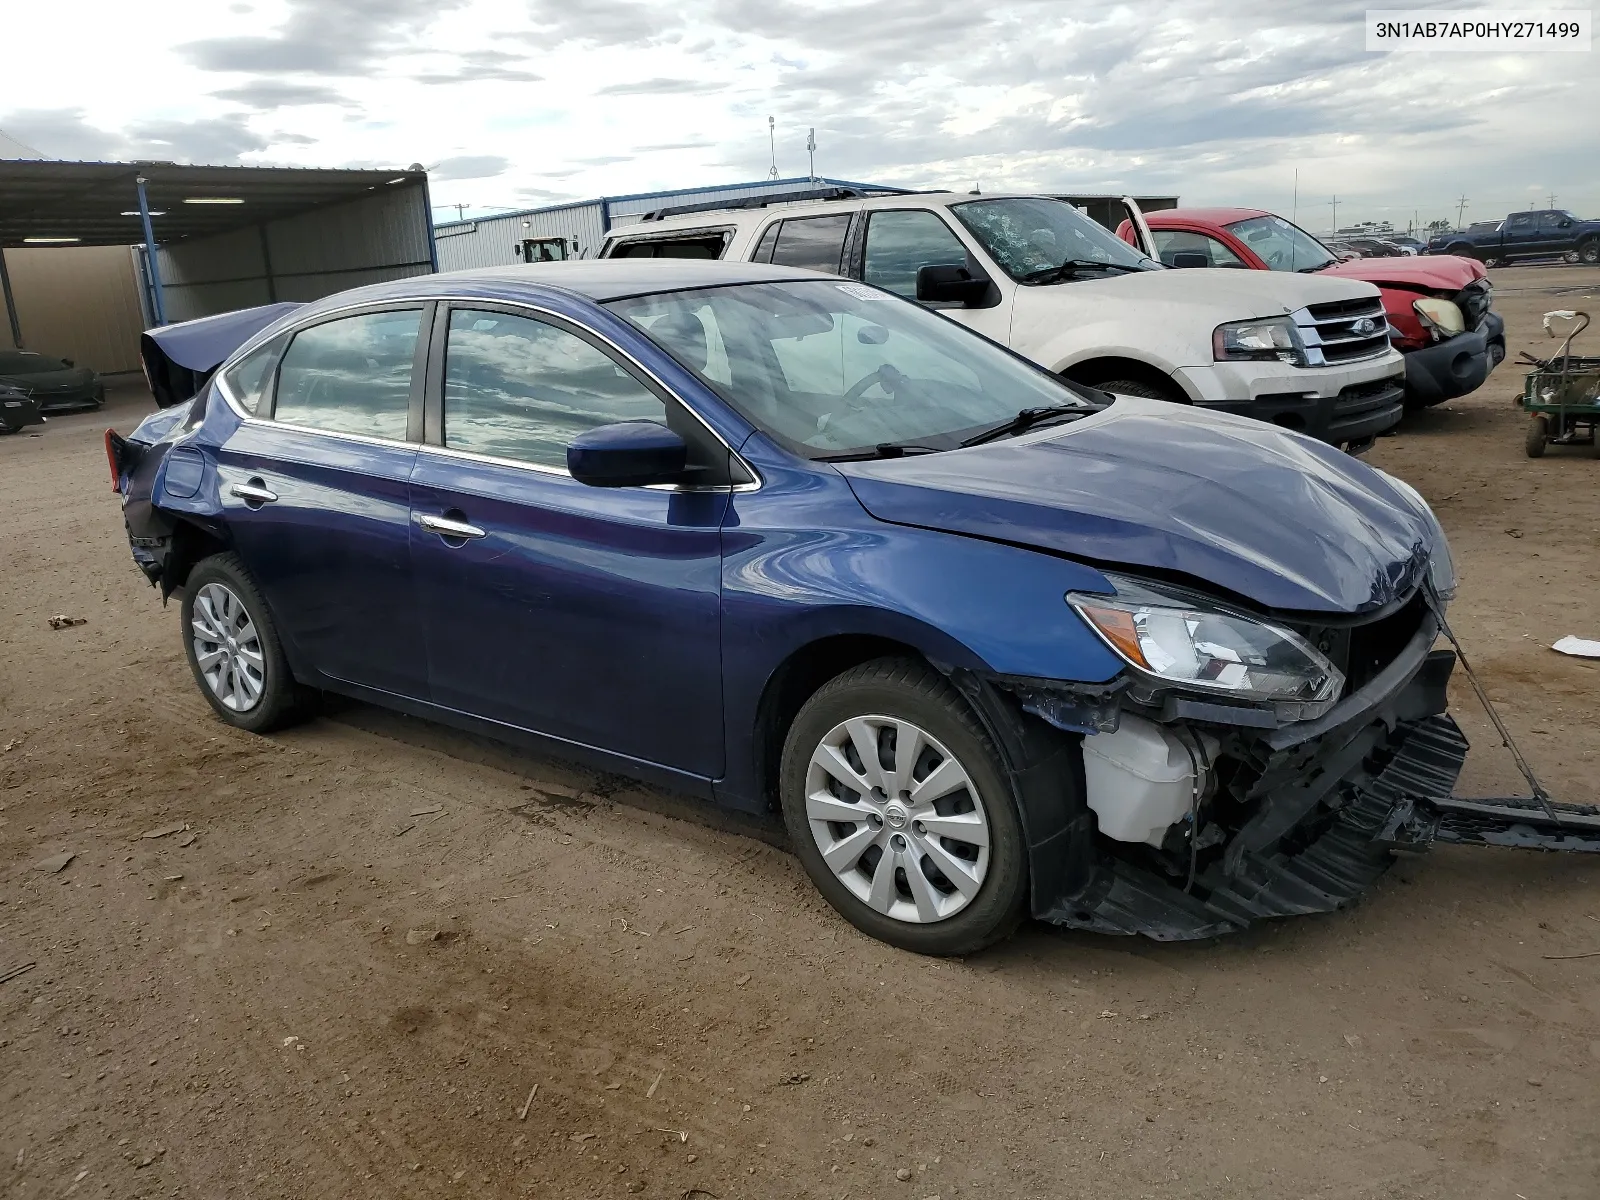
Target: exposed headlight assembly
[1197,646]
[1442,317]
[1270,339]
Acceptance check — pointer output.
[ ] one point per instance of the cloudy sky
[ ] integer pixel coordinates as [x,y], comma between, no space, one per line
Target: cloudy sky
[516,103]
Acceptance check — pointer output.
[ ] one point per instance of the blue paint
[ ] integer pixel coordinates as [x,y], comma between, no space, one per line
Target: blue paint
[640,628]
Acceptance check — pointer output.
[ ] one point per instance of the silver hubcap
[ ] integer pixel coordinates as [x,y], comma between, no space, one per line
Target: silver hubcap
[227,649]
[897,819]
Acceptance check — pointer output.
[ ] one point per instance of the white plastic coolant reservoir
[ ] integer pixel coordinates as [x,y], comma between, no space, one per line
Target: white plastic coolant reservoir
[1140,780]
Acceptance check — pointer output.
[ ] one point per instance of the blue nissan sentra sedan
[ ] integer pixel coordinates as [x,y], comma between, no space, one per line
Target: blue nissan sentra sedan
[994,645]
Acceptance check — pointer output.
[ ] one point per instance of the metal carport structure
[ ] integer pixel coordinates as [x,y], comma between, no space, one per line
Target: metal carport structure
[215,238]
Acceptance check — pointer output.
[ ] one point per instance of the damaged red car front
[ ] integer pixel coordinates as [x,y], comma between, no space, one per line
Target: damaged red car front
[1439,307]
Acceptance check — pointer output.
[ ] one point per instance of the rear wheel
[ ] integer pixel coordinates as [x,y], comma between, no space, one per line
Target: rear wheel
[1493,262]
[233,648]
[898,808]
[1538,435]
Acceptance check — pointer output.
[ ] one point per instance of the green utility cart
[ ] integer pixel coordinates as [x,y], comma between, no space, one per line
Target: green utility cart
[1561,395]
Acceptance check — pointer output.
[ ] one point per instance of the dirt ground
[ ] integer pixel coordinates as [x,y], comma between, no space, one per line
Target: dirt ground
[381,959]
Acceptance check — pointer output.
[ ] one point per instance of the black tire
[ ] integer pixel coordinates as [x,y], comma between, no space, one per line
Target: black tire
[1538,435]
[1491,261]
[911,690]
[1589,252]
[1136,387]
[282,701]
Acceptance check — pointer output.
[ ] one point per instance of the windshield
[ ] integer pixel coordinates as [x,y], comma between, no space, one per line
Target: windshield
[831,368]
[1282,246]
[25,362]
[1030,234]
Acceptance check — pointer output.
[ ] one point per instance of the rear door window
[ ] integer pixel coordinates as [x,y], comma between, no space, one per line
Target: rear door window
[769,239]
[899,244]
[250,378]
[701,246]
[816,243]
[352,375]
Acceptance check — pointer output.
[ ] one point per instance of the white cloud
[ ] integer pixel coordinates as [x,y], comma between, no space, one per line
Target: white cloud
[1202,99]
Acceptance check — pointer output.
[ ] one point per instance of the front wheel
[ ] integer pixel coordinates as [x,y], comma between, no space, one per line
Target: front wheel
[897,805]
[233,649]
[1136,387]
[1589,252]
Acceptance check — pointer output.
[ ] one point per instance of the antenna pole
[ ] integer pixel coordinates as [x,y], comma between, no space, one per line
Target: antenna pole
[1461,208]
[1335,203]
[772,144]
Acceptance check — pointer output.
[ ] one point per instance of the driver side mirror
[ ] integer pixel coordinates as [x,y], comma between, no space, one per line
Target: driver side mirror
[951,284]
[627,454]
[1191,258]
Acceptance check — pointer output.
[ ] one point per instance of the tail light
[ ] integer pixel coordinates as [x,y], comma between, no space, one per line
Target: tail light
[115,444]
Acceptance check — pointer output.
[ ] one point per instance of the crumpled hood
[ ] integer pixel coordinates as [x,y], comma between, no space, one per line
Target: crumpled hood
[1281,519]
[1442,272]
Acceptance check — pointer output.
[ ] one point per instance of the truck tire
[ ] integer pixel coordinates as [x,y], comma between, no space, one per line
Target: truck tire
[1135,387]
[1492,261]
[1589,252]
[1464,249]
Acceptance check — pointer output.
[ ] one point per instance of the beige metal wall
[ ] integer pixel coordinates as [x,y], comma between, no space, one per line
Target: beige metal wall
[77,302]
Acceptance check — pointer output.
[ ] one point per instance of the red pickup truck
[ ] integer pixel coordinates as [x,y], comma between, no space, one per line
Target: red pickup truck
[1438,307]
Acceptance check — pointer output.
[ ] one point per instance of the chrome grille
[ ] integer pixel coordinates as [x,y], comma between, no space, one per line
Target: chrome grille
[1343,331]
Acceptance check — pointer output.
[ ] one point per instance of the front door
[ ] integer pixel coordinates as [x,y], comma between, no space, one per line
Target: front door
[900,242]
[316,492]
[587,614]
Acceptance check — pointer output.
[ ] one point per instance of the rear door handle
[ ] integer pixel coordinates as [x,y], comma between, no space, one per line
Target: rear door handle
[447,528]
[253,492]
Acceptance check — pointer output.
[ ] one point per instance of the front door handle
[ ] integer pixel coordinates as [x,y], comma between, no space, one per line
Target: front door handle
[446,528]
[253,493]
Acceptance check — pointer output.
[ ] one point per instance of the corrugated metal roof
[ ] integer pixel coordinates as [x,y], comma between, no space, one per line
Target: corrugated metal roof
[86,201]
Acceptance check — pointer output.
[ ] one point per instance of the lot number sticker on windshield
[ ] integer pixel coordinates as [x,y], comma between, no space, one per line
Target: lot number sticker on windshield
[859,292]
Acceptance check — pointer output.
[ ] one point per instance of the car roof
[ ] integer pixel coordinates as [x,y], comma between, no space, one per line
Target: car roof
[721,218]
[594,279]
[1205,216]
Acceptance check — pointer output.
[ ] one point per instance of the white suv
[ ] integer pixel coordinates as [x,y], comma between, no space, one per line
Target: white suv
[1305,352]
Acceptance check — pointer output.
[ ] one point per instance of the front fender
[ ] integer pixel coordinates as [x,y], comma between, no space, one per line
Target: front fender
[804,562]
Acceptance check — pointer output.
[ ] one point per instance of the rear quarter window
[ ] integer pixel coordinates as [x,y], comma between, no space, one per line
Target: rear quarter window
[697,245]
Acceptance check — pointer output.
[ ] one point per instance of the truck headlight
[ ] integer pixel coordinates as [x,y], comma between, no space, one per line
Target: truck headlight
[1270,339]
[1199,646]
[1443,317]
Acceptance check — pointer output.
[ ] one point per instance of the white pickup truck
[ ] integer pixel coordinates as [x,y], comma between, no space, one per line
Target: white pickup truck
[1306,352]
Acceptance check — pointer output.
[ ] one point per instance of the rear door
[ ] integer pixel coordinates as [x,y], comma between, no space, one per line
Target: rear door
[1520,234]
[1552,237]
[315,489]
[586,614]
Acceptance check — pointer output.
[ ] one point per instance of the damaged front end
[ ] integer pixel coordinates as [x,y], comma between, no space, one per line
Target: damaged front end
[1187,815]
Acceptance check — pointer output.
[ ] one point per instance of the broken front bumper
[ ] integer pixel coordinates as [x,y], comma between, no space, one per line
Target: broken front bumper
[1335,799]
